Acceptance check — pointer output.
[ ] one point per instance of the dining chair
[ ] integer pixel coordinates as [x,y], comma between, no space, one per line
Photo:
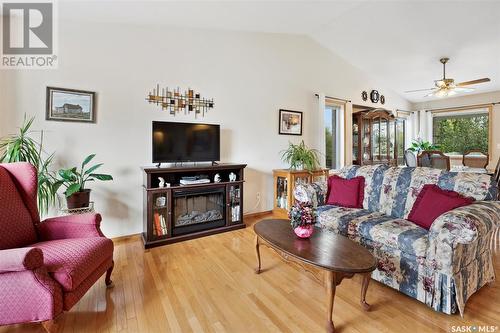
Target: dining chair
[433,159]
[410,158]
[475,158]
[496,175]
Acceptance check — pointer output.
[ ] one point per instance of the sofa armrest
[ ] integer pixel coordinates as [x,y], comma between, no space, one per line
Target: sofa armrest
[21,259]
[71,226]
[458,236]
[312,193]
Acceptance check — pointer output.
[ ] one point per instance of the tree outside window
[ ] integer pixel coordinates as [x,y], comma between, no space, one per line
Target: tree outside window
[455,134]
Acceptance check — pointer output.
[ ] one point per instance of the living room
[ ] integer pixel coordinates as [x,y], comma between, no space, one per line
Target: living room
[334,80]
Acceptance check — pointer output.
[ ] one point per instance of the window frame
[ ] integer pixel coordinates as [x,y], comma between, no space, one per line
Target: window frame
[465,110]
[341,129]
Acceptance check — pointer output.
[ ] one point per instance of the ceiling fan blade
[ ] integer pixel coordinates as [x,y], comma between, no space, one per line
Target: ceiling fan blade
[433,93]
[411,91]
[461,89]
[467,83]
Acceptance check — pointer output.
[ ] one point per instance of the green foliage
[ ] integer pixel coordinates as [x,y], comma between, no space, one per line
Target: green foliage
[459,134]
[419,145]
[21,147]
[74,180]
[300,156]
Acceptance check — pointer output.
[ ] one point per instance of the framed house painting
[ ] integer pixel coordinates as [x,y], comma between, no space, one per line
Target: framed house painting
[70,105]
[290,122]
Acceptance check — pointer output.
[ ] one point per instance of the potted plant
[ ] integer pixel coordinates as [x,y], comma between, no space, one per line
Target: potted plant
[419,145]
[22,147]
[301,217]
[77,195]
[300,157]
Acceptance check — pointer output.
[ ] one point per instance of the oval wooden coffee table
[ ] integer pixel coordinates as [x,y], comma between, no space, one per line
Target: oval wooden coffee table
[337,255]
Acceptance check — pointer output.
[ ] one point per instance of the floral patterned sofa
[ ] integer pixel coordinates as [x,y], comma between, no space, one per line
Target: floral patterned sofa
[441,267]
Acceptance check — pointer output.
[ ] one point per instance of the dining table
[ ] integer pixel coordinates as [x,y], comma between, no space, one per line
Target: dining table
[461,168]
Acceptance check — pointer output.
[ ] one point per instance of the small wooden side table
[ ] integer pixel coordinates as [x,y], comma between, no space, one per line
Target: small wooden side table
[285,181]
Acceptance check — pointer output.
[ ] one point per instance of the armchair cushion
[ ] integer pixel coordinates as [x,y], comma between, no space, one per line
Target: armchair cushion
[71,261]
[71,226]
[22,259]
[16,225]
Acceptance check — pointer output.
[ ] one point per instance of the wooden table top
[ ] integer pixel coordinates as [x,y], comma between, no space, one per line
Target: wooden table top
[323,249]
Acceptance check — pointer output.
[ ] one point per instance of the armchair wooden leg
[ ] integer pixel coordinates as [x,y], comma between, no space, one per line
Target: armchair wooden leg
[50,326]
[108,281]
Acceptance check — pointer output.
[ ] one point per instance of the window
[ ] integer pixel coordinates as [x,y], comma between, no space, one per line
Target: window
[400,124]
[331,135]
[457,132]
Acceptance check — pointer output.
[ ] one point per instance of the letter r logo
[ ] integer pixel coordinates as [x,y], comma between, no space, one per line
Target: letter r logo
[27,28]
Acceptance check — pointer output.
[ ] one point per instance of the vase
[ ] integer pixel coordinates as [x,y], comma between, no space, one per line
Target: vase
[304,231]
[79,199]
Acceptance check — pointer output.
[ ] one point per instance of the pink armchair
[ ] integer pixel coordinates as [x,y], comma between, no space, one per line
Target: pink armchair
[45,267]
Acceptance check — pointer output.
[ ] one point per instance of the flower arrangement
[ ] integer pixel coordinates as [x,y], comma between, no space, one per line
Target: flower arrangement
[301,215]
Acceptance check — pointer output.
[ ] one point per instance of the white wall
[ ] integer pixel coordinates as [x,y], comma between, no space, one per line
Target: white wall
[466,100]
[250,76]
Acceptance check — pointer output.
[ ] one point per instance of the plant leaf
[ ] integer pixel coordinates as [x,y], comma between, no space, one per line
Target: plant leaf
[87,160]
[73,188]
[93,168]
[101,176]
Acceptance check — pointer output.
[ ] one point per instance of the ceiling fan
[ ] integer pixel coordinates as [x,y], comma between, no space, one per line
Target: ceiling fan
[447,87]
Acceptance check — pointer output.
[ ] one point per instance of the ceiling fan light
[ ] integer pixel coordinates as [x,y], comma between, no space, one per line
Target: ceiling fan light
[440,83]
[441,93]
[451,93]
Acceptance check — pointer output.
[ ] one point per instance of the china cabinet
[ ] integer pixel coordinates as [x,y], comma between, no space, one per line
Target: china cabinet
[378,137]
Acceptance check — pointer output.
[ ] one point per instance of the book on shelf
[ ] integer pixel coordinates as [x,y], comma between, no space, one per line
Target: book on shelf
[163,225]
[157,224]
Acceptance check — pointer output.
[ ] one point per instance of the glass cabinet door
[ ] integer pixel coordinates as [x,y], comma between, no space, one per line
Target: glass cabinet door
[160,214]
[392,139]
[376,139]
[384,132]
[234,204]
[355,139]
[366,140]
[281,192]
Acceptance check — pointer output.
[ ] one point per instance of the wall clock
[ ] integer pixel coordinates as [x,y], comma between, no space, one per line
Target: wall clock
[382,99]
[364,96]
[374,96]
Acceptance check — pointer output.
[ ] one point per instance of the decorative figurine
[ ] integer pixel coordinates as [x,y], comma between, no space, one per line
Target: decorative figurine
[232,177]
[161,201]
[217,178]
[162,182]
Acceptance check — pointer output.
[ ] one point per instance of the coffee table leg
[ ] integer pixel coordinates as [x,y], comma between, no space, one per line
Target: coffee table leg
[364,288]
[257,251]
[331,286]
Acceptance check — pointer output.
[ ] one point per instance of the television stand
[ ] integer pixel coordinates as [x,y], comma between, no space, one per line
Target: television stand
[182,212]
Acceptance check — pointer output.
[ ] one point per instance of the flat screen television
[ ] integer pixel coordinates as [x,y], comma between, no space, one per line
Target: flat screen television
[185,142]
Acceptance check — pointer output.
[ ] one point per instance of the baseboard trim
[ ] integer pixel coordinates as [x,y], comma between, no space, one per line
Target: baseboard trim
[125,238]
[257,214]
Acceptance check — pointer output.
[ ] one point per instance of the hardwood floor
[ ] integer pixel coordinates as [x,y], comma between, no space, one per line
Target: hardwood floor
[209,285]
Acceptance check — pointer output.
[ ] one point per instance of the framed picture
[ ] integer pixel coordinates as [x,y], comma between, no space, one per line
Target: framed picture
[70,105]
[290,122]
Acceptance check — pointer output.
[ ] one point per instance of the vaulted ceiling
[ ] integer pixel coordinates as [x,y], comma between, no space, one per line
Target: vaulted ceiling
[398,42]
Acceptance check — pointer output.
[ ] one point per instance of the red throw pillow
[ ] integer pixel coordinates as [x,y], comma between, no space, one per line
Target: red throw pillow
[346,192]
[432,202]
